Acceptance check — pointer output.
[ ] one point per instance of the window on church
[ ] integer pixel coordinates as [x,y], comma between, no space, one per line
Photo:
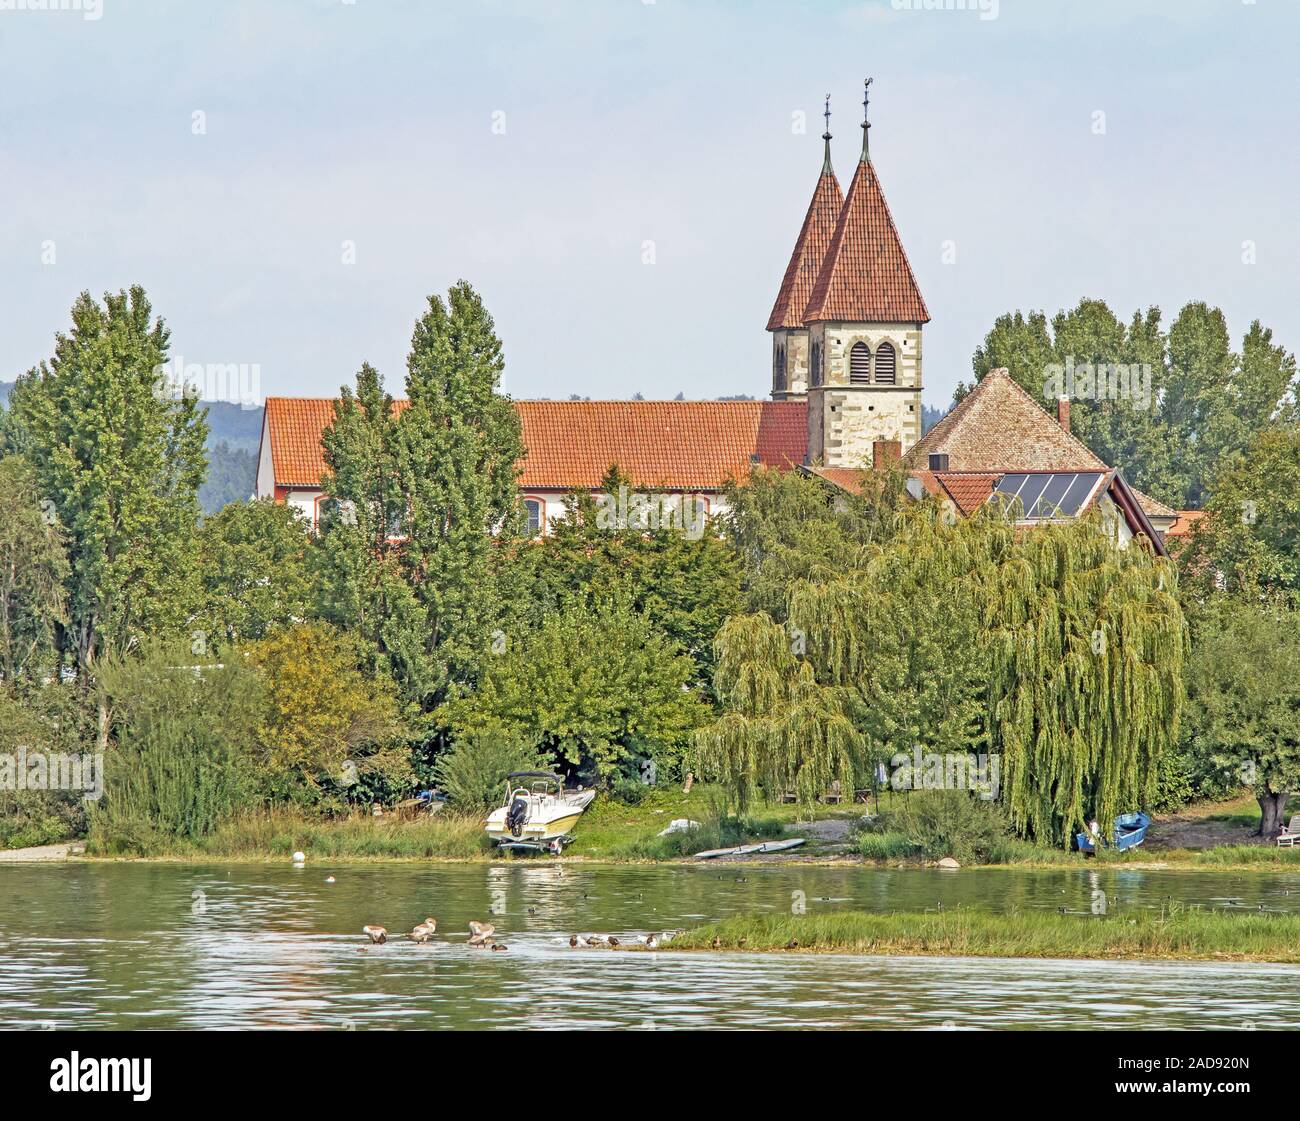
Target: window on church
[860,364]
[536,516]
[886,372]
[778,373]
[816,364]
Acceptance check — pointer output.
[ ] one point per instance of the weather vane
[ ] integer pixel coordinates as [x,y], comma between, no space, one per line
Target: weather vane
[827,115]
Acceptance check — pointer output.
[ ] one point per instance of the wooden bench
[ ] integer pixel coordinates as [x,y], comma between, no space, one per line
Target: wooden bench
[1290,833]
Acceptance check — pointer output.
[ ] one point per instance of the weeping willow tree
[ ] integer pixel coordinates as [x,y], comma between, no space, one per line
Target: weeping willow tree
[782,729]
[1088,647]
[1054,650]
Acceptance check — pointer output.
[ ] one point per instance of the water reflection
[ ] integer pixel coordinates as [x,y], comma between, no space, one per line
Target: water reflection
[236,946]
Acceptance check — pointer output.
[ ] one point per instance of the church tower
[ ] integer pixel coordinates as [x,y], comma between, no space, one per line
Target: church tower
[789,331]
[863,321]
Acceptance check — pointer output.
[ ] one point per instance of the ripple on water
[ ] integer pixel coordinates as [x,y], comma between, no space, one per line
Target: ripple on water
[232,946]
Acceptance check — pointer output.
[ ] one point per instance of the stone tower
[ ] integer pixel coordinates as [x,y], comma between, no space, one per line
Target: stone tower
[863,321]
[789,331]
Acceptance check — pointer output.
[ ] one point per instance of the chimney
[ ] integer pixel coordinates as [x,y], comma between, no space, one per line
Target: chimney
[885,452]
[1063,412]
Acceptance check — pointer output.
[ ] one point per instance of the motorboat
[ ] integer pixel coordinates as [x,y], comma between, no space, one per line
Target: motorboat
[539,813]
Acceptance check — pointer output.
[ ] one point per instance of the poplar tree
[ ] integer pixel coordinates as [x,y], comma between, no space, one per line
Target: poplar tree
[118,454]
[422,493]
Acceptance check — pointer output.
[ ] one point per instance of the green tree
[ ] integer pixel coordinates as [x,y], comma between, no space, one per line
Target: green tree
[421,492]
[787,526]
[329,731]
[255,570]
[687,585]
[1248,543]
[1203,402]
[601,690]
[121,460]
[33,569]
[1243,709]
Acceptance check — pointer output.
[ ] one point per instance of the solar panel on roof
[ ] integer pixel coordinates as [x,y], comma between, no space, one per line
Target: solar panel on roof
[1078,493]
[1046,494]
[1049,502]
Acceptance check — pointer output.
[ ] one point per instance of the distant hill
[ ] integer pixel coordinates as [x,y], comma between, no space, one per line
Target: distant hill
[233,436]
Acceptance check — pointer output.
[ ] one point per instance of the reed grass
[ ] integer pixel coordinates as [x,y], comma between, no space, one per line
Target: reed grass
[279,832]
[1177,932]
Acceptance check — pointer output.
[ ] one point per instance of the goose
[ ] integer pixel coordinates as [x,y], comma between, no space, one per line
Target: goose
[613,941]
[573,941]
[793,944]
[650,941]
[424,931]
[378,935]
[480,932]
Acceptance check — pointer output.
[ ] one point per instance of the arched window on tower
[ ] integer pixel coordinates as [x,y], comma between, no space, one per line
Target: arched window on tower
[886,373]
[859,364]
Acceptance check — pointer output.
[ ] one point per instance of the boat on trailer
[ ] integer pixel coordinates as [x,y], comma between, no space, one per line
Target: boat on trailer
[1130,831]
[539,813]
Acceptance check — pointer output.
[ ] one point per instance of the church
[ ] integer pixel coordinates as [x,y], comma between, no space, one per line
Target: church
[847,378]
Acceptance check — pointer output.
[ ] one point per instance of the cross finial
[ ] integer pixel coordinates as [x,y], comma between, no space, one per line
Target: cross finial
[826,136]
[866,124]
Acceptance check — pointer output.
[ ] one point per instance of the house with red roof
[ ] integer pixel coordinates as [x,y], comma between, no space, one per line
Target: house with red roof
[847,380]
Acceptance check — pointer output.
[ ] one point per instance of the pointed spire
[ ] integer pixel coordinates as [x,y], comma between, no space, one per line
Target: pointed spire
[826,136]
[865,276]
[810,247]
[866,123]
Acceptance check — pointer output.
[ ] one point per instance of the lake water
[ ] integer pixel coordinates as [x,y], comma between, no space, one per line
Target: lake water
[225,946]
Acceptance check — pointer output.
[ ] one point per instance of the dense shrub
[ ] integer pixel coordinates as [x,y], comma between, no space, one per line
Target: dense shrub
[472,772]
[950,823]
[183,737]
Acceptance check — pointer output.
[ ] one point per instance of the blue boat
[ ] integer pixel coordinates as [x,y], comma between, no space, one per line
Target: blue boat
[1130,831]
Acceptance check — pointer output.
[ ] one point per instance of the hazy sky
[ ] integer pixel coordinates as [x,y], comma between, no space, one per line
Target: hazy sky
[617,123]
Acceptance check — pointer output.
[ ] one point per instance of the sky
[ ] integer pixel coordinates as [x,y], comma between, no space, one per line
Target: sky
[623,180]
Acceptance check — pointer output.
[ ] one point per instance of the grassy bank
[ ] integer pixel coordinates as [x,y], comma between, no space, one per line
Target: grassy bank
[278,833]
[609,830]
[1178,934]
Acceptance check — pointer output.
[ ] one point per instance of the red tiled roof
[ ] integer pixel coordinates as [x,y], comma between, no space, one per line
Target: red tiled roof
[998,427]
[865,275]
[680,445]
[968,491]
[1185,524]
[806,260]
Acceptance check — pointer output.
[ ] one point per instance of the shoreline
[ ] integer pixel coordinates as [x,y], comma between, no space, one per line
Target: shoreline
[1179,860]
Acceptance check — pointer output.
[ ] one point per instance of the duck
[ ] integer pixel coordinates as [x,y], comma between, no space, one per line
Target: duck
[573,941]
[648,940]
[499,946]
[480,932]
[378,935]
[793,944]
[613,941]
